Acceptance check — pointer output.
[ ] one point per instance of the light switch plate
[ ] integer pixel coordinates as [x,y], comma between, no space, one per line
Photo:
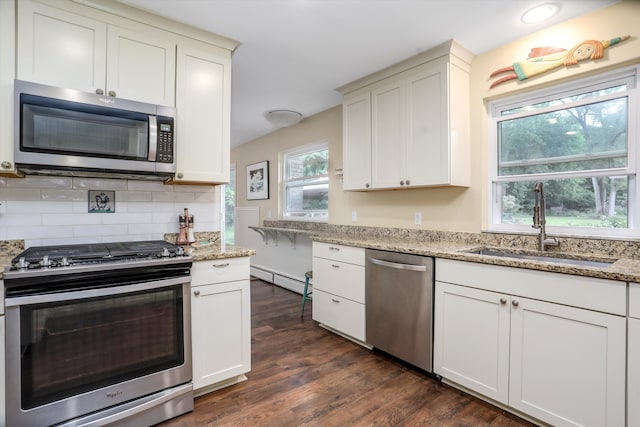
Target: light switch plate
[417,218]
[354,216]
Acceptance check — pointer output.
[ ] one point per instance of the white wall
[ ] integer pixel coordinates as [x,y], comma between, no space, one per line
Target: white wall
[54,210]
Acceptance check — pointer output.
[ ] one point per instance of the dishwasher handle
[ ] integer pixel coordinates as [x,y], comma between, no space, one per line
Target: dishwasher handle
[396,265]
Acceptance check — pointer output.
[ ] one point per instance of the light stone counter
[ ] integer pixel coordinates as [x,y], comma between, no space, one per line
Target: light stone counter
[625,255]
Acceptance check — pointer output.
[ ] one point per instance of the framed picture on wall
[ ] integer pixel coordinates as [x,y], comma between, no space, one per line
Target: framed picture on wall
[258,181]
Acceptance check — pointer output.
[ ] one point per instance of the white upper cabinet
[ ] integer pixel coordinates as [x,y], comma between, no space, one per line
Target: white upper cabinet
[65,49]
[356,123]
[408,125]
[203,100]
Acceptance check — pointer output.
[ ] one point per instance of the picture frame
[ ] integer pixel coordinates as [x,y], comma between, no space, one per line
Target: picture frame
[101,201]
[258,181]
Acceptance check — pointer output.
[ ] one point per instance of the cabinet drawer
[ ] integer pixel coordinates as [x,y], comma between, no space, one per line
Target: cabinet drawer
[339,313]
[348,254]
[339,278]
[604,295]
[219,271]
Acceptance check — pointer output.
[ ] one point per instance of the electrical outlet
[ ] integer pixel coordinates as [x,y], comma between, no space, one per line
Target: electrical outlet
[269,214]
[417,218]
[354,216]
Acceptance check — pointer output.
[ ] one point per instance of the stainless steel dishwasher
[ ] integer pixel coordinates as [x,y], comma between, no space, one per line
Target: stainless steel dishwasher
[399,305]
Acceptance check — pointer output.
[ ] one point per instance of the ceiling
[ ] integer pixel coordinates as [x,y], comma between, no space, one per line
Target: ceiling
[294,53]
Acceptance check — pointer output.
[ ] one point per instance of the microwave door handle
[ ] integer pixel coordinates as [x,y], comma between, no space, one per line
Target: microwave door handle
[153,138]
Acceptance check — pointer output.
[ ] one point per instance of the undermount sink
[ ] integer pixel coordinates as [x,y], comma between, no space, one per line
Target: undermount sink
[543,258]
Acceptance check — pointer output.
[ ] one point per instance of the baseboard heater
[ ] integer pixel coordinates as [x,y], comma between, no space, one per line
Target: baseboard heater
[282,280]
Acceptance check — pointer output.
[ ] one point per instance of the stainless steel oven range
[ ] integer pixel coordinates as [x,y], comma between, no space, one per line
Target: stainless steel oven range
[98,334]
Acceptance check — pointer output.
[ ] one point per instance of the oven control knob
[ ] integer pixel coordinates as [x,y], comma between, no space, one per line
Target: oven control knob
[180,251]
[64,261]
[22,263]
[165,252]
[45,261]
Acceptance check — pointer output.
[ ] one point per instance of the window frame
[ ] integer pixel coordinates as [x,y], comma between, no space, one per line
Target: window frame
[628,75]
[297,151]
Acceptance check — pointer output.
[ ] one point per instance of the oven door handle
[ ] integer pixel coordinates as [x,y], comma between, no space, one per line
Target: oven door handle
[92,293]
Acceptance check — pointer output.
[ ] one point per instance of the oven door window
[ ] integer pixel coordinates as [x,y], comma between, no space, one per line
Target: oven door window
[71,347]
[63,127]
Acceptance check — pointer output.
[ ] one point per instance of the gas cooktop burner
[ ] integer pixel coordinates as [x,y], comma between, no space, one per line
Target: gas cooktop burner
[38,257]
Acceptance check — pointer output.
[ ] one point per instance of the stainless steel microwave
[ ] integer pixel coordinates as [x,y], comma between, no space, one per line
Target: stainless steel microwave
[68,132]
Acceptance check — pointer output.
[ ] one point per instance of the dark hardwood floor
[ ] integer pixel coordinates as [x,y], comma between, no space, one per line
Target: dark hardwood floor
[304,375]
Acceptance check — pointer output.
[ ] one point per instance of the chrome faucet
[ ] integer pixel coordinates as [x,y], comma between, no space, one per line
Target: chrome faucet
[539,219]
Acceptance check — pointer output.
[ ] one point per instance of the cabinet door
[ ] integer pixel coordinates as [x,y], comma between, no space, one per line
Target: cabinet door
[427,152]
[141,66]
[387,136]
[60,48]
[7,75]
[203,100]
[567,364]
[2,373]
[633,376]
[471,339]
[356,119]
[221,332]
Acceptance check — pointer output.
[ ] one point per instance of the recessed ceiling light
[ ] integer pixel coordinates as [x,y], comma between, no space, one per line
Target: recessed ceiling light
[540,13]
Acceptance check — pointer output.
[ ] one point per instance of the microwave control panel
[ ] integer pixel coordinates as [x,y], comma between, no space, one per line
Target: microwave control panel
[165,140]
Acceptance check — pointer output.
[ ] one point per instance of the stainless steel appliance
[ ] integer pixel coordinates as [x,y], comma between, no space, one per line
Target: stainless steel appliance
[399,305]
[98,334]
[68,132]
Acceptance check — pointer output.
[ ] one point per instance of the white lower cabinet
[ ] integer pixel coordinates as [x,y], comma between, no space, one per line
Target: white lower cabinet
[220,323]
[559,364]
[338,289]
[2,372]
[633,357]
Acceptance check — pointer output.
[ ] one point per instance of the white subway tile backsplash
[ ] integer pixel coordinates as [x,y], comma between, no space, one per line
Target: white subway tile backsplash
[33,181]
[72,195]
[99,230]
[45,210]
[71,219]
[38,206]
[99,184]
[19,193]
[38,232]
[133,196]
[126,218]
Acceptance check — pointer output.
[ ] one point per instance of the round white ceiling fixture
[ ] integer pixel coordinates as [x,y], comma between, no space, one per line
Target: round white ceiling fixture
[283,118]
[540,13]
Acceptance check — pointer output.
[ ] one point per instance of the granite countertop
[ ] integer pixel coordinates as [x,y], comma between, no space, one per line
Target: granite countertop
[624,256]
[207,253]
[622,269]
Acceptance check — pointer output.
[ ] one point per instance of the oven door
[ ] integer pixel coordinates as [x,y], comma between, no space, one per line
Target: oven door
[73,353]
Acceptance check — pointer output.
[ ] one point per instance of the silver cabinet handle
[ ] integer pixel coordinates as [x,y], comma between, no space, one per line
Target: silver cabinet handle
[401,182]
[220,265]
[335,266]
[396,265]
[335,300]
[515,303]
[196,293]
[99,92]
[503,301]
[366,185]
[333,248]
[407,182]
[112,93]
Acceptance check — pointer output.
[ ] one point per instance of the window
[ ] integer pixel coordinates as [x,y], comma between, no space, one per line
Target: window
[580,140]
[305,181]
